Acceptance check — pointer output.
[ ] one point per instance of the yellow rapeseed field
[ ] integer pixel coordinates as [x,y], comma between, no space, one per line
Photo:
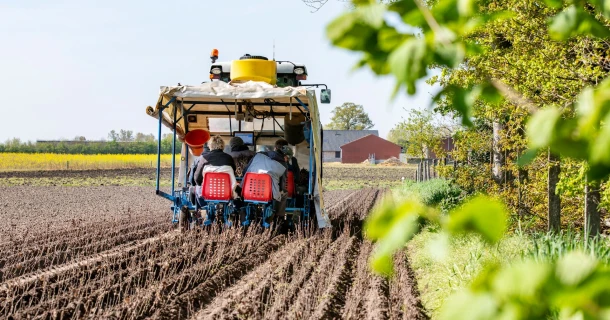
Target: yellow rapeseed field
[53,161]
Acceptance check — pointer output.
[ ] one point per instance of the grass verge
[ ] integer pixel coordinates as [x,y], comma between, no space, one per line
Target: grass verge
[438,278]
[441,273]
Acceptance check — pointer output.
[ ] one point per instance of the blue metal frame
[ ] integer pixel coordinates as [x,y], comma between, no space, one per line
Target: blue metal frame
[211,212]
[180,198]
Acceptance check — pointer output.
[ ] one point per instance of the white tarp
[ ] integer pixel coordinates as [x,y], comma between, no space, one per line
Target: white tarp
[223,90]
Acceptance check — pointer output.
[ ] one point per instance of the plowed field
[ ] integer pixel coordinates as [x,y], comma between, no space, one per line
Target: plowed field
[110,253]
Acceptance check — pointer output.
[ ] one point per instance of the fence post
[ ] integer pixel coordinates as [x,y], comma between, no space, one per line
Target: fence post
[67,165]
[592,199]
[426,173]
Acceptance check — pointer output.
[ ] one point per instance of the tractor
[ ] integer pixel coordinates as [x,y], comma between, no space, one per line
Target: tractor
[260,101]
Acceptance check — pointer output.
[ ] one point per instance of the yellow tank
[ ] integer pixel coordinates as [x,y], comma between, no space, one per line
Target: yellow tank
[254,70]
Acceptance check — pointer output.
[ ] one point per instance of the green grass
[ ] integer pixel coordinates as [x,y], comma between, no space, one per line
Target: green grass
[439,274]
[438,278]
[435,192]
[547,246]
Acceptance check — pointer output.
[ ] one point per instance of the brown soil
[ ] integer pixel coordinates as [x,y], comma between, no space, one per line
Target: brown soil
[111,253]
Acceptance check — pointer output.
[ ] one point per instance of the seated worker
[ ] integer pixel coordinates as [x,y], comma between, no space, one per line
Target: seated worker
[274,164]
[293,164]
[241,155]
[215,161]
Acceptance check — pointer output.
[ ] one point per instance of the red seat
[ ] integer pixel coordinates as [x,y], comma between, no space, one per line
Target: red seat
[290,184]
[216,186]
[257,187]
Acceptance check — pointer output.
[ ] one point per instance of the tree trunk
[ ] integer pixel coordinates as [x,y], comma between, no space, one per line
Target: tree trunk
[554,213]
[498,153]
[592,218]
[523,176]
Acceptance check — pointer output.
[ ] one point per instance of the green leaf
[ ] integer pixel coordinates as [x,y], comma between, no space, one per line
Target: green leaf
[555,4]
[467,8]
[566,142]
[482,215]
[575,267]
[463,104]
[348,32]
[408,62]
[592,106]
[527,157]
[391,227]
[541,127]
[373,15]
[403,7]
[389,39]
[462,100]
[469,305]
[600,149]
[382,264]
[523,280]
[575,21]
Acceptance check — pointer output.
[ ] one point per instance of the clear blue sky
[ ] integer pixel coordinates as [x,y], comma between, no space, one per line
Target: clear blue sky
[71,67]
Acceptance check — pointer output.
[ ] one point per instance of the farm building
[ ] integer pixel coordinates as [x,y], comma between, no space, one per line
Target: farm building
[447,145]
[334,139]
[361,149]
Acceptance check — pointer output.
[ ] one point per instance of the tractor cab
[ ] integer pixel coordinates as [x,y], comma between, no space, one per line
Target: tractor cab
[260,101]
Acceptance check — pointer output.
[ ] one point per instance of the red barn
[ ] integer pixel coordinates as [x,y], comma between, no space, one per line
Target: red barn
[359,150]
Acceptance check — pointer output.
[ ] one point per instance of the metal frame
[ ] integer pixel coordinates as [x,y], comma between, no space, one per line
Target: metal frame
[180,198]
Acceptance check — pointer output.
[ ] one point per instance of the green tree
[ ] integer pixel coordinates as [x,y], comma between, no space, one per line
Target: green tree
[417,133]
[349,116]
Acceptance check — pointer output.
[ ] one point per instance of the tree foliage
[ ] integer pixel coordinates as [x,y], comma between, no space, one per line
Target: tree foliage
[125,142]
[419,132]
[349,116]
[539,69]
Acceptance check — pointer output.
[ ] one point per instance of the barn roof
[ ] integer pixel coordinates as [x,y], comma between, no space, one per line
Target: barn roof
[372,135]
[334,139]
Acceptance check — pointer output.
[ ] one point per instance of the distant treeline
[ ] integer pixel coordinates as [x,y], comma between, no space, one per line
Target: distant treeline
[124,142]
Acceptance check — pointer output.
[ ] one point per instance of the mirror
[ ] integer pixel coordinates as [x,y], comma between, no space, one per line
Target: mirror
[325,95]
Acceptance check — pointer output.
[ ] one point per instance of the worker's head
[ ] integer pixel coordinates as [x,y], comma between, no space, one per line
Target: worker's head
[287,151]
[216,143]
[236,142]
[280,143]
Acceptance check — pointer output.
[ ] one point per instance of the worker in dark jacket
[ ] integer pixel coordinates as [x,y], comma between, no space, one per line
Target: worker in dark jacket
[216,157]
[241,155]
[293,164]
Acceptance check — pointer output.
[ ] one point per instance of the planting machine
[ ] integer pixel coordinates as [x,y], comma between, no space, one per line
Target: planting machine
[259,100]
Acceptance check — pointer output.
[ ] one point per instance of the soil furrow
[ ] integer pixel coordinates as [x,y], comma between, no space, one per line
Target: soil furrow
[368,297]
[185,305]
[249,296]
[113,258]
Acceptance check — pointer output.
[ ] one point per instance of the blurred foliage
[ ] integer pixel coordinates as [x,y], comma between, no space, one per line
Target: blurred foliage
[500,61]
